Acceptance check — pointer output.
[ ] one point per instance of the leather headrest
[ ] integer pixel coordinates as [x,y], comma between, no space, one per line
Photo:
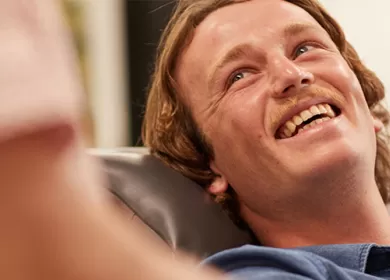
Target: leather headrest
[174,207]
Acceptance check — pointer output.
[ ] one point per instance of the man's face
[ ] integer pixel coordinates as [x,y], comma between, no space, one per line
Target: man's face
[281,108]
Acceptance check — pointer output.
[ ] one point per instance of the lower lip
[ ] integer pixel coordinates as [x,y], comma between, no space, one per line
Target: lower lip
[316,129]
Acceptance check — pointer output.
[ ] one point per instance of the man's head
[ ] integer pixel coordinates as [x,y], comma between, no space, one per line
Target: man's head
[232,82]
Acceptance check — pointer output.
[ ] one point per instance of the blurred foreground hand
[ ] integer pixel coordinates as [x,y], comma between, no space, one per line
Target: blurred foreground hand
[56,220]
[39,84]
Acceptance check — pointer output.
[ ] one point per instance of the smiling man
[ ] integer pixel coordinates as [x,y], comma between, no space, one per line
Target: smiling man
[263,102]
[267,106]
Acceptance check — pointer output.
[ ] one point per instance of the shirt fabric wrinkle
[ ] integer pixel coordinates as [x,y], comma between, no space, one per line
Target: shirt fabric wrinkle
[341,262]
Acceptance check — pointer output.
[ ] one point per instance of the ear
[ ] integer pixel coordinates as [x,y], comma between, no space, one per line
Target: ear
[220,183]
[377,123]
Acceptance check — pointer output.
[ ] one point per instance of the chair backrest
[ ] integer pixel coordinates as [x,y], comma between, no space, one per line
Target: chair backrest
[177,209]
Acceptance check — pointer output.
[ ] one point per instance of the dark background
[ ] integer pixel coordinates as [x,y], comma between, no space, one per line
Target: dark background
[144,22]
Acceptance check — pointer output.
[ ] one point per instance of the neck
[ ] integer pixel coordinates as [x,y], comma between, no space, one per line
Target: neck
[361,218]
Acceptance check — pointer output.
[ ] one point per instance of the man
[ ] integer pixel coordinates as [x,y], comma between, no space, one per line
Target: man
[266,102]
[294,187]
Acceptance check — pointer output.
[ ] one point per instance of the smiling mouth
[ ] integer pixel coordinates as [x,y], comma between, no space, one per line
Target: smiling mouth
[306,119]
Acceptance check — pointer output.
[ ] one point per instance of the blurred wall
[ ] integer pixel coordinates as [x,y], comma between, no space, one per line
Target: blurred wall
[75,17]
[367,26]
[145,21]
[107,71]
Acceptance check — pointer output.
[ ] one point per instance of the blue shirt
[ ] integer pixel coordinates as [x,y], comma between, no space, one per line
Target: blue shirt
[358,261]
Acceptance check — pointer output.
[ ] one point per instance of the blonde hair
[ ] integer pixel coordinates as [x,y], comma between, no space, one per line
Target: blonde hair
[169,129]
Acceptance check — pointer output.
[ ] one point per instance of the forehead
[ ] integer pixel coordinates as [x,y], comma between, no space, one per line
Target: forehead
[256,22]
[259,17]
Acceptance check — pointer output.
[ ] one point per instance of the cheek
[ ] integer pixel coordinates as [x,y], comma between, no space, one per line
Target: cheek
[339,75]
[239,117]
[236,132]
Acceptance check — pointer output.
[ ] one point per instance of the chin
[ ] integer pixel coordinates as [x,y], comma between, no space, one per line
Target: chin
[339,160]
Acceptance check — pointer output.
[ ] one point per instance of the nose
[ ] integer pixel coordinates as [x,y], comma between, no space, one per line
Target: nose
[287,77]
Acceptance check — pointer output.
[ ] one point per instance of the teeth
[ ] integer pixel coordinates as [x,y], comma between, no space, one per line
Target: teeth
[305,115]
[287,132]
[330,111]
[297,120]
[322,109]
[314,110]
[310,124]
[290,126]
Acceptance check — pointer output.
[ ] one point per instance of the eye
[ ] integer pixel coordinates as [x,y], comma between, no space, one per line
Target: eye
[302,49]
[237,76]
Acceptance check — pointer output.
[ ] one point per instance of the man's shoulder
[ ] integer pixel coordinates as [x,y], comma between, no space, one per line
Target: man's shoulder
[260,256]
[320,262]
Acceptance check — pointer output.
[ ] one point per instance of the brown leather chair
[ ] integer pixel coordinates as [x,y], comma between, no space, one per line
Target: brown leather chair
[175,208]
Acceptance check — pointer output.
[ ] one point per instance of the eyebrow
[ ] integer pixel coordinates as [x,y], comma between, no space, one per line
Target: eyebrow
[244,49]
[296,28]
[237,52]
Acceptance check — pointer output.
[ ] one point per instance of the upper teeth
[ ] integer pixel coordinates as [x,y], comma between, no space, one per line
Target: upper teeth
[290,127]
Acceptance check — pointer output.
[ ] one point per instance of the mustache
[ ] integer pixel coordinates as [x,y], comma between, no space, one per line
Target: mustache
[286,104]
